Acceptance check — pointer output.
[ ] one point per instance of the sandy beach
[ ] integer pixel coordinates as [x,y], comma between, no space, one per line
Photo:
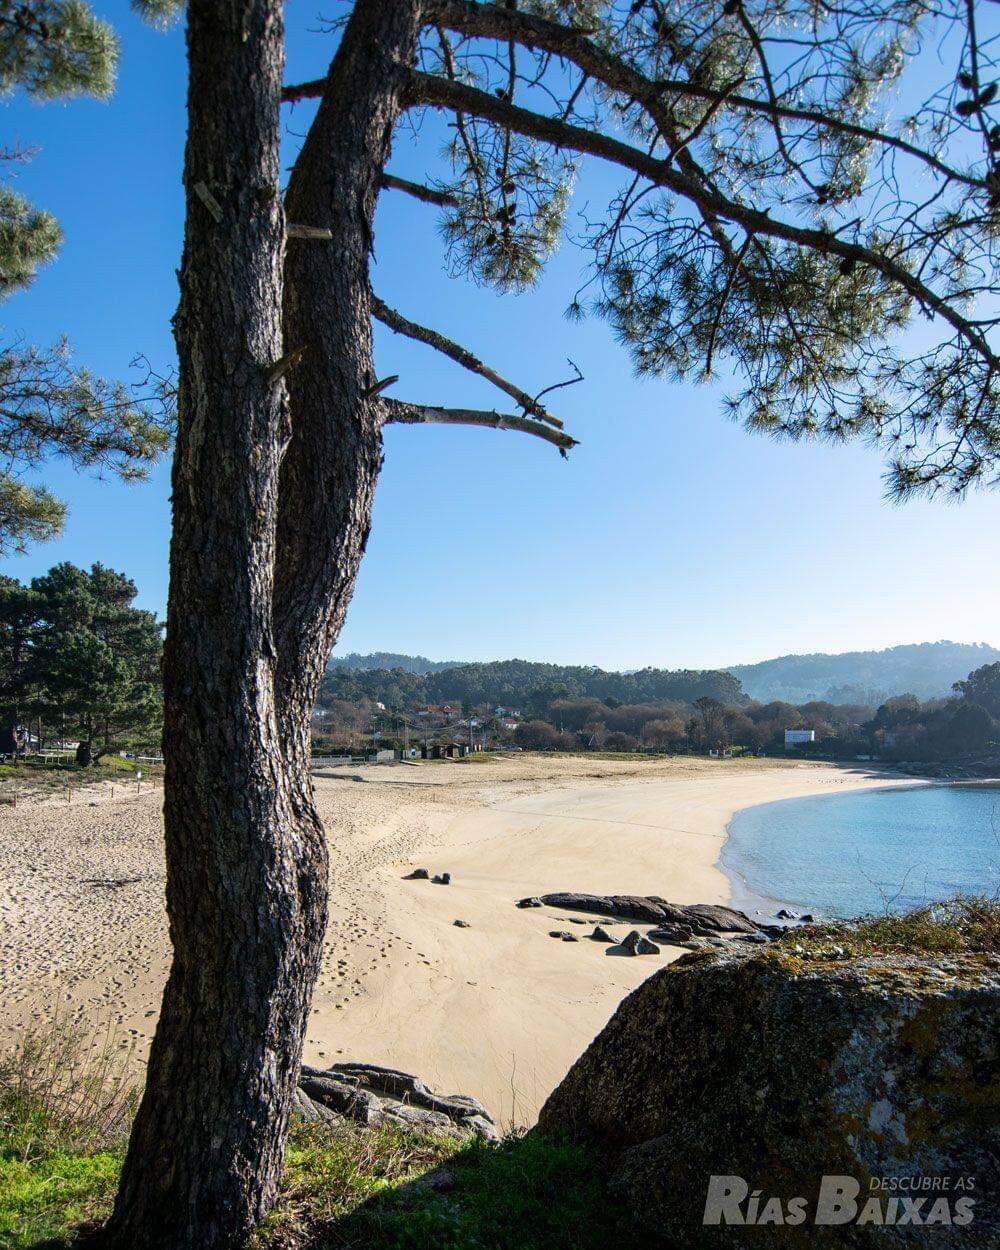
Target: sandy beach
[497,1009]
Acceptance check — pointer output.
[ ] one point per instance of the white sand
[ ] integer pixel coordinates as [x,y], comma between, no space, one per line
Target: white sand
[499,1009]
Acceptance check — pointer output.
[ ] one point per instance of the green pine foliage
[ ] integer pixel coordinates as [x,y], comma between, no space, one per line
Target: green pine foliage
[830,182]
[57,49]
[159,12]
[29,238]
[79,660]
[28,513]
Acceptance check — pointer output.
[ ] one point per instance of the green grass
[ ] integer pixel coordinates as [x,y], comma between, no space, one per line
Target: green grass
[524,1193]
[47,1195]
[962,925]
[64,1115]
[65,1105]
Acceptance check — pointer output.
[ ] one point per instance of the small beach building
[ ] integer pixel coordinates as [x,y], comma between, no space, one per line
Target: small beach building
[798,738]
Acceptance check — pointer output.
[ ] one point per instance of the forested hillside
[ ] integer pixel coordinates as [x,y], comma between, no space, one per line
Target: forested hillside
[354,662]
[523,684]
[928,670]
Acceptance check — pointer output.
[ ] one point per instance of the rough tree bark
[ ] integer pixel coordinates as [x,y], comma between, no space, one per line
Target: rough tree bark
[330,469]
[246,878]
[271,518]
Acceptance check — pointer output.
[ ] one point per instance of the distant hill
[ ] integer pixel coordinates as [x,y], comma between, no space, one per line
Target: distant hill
[926,669]
[524,684]
[419,664]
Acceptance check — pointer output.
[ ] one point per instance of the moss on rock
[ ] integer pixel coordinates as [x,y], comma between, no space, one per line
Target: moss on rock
[786,1065]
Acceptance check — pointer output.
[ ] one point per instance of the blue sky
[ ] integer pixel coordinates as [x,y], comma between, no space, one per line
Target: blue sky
[670,537]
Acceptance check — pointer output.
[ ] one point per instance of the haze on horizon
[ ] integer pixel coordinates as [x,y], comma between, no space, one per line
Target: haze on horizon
[340,651]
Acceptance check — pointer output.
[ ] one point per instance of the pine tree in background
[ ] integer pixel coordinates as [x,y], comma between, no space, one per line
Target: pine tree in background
[56,49]
[96,659]
[79,660]
[20,609]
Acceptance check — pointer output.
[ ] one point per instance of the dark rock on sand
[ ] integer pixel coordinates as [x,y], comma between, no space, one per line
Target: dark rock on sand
[461,924]
[634,944]
[780,1069]
[443,878]
[418,874]
[601,934]
[374,1096]
[671,934]
[529,902]
[700,918]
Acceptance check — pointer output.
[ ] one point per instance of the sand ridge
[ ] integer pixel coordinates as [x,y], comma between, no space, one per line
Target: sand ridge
[497,1009]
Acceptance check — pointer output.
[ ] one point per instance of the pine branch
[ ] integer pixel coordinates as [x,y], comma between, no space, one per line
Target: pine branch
[492,21]
[461,355]
[430,89]
[312,90]
[400,412]
[428,195]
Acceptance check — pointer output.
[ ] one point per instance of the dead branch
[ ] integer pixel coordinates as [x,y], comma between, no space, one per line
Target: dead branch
[461,355]
[399,412]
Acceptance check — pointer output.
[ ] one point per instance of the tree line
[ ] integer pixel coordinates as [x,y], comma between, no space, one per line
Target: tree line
[78,661]
[902,728]
[525,684]
[700,711]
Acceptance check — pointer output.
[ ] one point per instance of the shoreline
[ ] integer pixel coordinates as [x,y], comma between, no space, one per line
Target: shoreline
[497,1009]
[752,851]
[500,1009]
[765,906]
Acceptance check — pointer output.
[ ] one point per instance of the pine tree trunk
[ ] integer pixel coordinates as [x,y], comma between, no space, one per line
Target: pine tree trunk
[271,515]
[246,877]
[329,473]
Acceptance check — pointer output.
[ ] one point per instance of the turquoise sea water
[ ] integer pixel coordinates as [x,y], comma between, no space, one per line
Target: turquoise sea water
[845,854]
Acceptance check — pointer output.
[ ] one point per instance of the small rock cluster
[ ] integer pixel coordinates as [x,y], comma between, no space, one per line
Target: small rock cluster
[423,874]
[785,914]
[374,1096]
[694,926]
[633,943]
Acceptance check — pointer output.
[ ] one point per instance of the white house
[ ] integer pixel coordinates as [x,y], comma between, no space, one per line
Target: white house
[798,737]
